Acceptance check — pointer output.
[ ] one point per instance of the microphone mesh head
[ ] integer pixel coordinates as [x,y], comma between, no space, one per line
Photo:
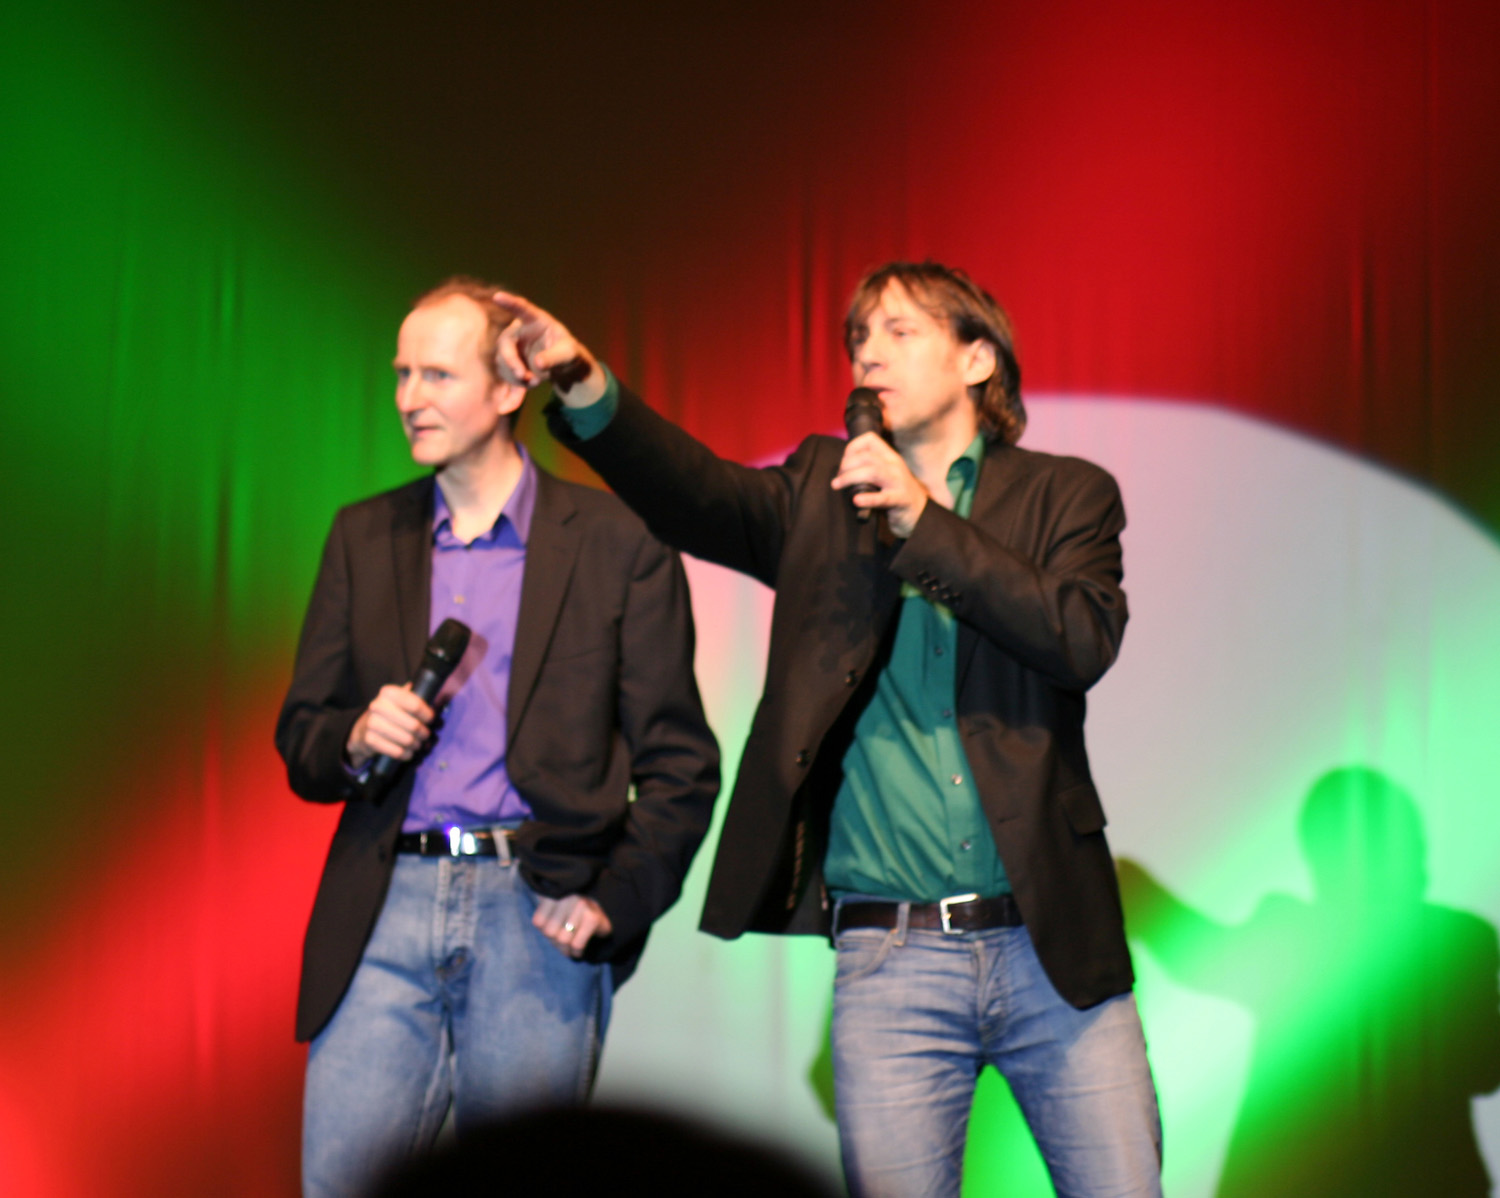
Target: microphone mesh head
[449,642]
[862,412]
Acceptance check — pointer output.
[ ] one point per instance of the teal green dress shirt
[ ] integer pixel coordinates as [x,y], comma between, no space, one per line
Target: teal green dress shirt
[907,822]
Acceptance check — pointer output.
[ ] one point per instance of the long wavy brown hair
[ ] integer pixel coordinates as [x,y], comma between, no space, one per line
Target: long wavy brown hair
[973,315]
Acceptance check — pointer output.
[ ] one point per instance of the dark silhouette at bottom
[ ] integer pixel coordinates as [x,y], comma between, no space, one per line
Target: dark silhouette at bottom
[585,1152]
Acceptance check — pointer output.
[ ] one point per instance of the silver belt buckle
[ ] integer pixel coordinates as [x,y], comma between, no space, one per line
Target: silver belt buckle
[450,840]
[461,842]
[947,916]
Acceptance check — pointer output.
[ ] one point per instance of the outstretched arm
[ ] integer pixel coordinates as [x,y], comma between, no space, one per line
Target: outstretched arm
[1195,950]
[1150,907]
[690,497]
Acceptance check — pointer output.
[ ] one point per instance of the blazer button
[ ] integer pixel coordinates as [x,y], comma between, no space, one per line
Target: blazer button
[851,678]
[802,757]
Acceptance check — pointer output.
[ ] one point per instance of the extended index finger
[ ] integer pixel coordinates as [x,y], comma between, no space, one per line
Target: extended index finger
[513,367]
[519,305]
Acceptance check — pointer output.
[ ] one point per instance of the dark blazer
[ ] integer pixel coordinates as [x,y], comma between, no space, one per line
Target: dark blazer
[602,698]
[1033,577]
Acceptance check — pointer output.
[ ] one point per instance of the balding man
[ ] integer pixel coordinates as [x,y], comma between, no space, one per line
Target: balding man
[473,921]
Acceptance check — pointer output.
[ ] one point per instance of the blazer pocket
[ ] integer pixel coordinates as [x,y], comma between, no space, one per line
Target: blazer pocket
[1082,807]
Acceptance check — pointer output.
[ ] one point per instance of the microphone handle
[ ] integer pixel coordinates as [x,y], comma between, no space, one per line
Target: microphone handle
[428,682]
[425,686]
[857,425]
[862,415]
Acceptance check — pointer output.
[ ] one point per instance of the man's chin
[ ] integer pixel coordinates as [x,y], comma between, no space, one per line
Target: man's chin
[434,461]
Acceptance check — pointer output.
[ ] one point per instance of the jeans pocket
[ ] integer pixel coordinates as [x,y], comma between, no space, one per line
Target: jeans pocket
[861,951]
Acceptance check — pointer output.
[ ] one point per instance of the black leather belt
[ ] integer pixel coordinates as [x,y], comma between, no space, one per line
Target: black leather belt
[451,842]
[959,913]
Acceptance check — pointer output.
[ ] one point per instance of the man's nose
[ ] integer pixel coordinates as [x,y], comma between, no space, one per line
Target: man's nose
[408,397]
[868,355]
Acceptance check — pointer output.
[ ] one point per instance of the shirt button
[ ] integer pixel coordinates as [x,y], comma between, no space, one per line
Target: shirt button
[947,713]
[442,765]
[958,779]
[802,757]
[458,598]
[966,845]
[938,652]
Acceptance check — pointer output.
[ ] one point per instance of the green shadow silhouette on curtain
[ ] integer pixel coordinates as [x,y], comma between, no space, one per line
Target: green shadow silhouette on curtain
[1377,1015]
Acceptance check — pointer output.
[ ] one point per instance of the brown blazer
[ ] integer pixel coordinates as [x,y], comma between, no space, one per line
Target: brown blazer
[602,698]
[1033,576]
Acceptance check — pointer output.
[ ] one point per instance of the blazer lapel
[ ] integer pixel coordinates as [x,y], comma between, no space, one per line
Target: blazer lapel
[989,495]
[411,562]
[551,551]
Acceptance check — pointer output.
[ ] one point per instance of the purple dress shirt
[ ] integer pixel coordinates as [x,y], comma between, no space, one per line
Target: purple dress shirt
[461,778]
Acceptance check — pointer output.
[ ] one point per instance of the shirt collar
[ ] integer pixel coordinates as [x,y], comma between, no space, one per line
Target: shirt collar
[965,468]
[516,514]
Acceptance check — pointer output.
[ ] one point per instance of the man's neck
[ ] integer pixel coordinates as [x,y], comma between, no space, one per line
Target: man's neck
[477,488]
[930,453]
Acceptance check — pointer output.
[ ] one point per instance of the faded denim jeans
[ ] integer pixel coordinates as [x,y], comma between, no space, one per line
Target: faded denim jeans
[917,1015]
[457,998]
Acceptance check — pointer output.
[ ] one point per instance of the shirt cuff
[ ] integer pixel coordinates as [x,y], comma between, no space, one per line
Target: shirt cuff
[592,420]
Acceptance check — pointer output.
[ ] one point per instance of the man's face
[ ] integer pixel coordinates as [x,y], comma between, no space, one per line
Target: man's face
[451,405]
[921,371]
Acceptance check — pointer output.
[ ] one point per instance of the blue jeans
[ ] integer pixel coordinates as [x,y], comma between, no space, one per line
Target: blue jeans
[457,998]
[918,1014]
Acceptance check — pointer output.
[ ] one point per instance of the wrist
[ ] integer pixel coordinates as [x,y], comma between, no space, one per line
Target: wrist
[905,524]
[578,383]
[357,754]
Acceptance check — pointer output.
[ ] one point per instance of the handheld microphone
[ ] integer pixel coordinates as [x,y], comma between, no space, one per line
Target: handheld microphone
[863,414]
[567,375]
[443,653]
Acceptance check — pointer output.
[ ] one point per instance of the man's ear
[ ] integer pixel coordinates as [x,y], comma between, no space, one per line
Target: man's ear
[507,397]
[979,362]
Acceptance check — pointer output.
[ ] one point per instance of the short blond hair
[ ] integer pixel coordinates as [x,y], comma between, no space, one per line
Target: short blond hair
[482,293]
